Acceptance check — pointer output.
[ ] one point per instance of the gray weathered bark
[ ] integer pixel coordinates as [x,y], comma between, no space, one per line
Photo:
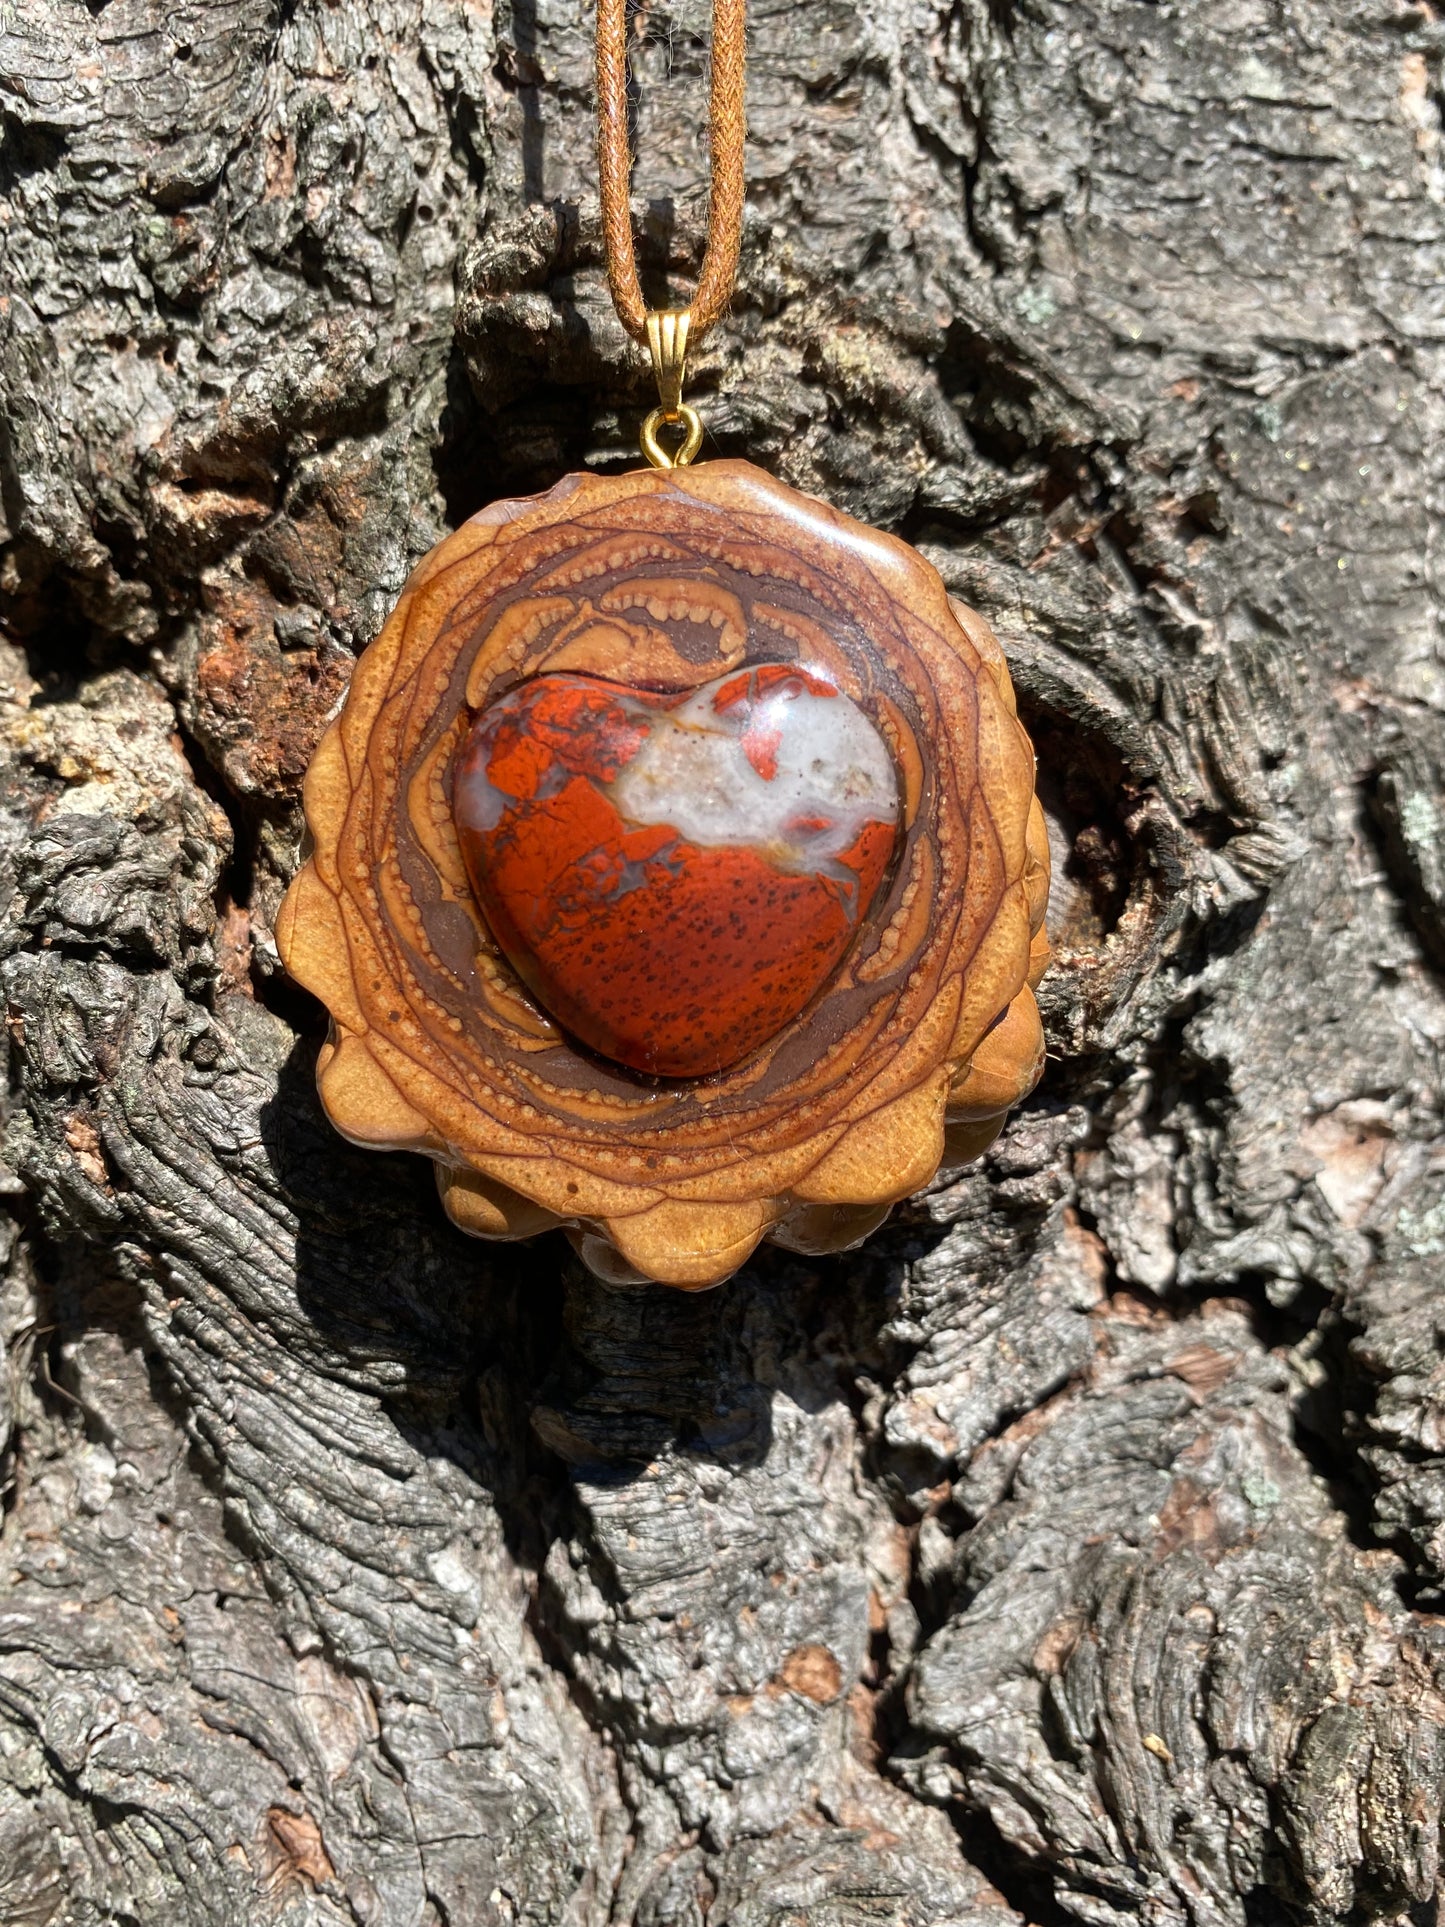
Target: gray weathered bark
[1075,1553]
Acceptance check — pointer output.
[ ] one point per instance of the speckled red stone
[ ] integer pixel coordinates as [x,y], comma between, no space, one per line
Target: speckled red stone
[675,877]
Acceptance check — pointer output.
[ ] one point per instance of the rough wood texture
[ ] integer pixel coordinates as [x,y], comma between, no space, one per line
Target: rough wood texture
[671,578]
[1076,1552]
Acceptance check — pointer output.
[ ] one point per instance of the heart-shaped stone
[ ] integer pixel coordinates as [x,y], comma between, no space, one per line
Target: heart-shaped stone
[675,877]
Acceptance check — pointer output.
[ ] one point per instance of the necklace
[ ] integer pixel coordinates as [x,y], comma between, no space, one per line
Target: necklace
[667,332]
[677,876]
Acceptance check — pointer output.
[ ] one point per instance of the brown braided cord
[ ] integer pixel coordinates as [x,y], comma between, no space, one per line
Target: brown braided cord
[727,128]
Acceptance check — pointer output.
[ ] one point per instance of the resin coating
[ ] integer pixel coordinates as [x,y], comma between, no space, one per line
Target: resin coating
[912,1048]
[675,877]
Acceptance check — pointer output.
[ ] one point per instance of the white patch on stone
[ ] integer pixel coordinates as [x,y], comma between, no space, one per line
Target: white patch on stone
[693,775]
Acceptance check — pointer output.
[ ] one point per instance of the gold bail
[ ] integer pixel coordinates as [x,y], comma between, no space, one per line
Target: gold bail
[667,338]
[667,330]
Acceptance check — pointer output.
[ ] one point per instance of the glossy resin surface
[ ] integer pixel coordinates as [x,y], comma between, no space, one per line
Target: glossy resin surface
[614,695]
[676,876]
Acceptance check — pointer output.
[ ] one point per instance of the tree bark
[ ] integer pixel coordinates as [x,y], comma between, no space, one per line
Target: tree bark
[1075,1552]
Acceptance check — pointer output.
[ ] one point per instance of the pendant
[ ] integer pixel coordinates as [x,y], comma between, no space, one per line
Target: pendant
[677,876]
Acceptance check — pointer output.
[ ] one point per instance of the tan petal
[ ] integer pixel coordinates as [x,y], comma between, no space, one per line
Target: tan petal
[1038,865]
[1006,778]
[311,939]
[485,1209]
[886,1155]
[986,643]
[604,1260]
[741,1179]
[994,976]
[368,690]
[363,1103]
[962,1143]
[327,795]
[816,1230]
[1006,1065]
[557,1184]
[1041,955]
[693,1245]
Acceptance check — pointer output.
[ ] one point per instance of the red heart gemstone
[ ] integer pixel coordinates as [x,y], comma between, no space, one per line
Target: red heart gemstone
[675,876]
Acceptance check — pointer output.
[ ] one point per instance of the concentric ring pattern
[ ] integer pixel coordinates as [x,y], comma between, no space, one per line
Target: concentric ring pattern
[915,1048]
